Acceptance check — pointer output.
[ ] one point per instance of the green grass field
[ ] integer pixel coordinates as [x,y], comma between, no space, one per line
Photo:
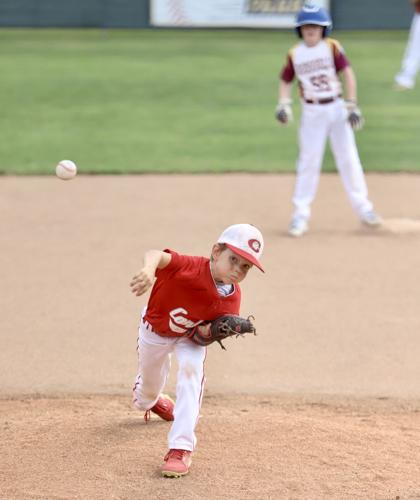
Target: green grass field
[182,101]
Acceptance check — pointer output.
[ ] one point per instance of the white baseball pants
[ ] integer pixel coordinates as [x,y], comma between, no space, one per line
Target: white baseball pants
[154,354]
[411,59]
[319,122]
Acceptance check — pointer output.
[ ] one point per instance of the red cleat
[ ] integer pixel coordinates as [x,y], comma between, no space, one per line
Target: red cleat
[164,408]
[177,463]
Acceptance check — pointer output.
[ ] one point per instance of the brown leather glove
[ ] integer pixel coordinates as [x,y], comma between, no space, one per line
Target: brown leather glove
[220,329]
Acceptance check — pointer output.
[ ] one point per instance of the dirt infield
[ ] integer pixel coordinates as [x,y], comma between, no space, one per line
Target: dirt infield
[250,447]
[323,403]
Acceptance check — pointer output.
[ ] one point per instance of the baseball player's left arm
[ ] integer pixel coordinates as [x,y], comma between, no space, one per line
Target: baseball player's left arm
[350,84]
[354,114]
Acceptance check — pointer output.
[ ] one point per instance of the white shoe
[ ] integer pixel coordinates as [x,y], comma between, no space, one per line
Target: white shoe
[404,83]
[402,88]
[298,227]
[371,219]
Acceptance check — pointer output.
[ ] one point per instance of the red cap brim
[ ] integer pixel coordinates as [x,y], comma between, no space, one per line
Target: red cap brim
[245,255]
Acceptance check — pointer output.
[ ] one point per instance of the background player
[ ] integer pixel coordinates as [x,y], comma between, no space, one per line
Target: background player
[188,291]
[411,62]
[316,62]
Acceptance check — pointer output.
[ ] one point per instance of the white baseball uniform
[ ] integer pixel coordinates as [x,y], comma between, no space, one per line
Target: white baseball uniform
[323,116]
[183,296]
[411,60]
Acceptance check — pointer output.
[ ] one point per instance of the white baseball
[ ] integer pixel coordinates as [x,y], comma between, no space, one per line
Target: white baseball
[66,169]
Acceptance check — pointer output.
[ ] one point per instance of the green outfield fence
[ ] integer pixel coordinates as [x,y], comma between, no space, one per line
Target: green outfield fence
[347,14]
[74,13]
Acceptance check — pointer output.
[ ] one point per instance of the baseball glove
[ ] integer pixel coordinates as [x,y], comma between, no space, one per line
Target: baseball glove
[284,113]
[220,329]
[354,115]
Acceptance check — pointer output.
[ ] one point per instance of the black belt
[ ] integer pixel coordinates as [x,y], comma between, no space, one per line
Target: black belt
[322,101]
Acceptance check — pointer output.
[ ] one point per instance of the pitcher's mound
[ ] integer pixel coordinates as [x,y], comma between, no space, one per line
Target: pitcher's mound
[272,447]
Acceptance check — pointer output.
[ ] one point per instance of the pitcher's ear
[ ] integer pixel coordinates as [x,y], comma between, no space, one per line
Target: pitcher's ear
[217,250]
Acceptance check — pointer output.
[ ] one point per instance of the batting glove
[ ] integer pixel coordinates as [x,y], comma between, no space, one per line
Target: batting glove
[354,115]
[284,113]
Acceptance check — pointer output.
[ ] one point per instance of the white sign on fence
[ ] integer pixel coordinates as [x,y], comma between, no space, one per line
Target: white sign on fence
[227,13]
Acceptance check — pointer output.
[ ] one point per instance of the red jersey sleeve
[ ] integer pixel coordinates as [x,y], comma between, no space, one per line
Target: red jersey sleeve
[177,263]
[288,72]
[340,59]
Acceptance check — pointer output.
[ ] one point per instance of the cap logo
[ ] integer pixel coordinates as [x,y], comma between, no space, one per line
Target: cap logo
[255,245]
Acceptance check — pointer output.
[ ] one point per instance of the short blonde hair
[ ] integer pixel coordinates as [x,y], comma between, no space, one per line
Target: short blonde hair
[221,246]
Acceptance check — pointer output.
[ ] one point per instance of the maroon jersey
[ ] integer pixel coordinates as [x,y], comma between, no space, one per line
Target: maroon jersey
[340,60]
[185,294]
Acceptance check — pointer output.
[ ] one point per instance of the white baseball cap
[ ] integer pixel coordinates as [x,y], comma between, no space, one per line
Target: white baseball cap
[245,240]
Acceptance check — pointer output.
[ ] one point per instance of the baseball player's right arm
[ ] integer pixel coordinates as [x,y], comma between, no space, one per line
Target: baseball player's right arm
[284,112]
[143,280]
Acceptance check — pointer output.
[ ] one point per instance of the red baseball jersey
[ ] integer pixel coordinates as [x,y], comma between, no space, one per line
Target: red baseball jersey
[185,294]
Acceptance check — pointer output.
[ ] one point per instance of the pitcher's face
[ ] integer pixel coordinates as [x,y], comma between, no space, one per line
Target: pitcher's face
[227,266]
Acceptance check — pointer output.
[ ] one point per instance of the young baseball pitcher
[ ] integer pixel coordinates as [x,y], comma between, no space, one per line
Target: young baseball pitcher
[316,62]
[406,78]
[188,292]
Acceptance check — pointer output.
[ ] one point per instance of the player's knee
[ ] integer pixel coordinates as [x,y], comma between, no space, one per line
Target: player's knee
[143,393]
[189,370]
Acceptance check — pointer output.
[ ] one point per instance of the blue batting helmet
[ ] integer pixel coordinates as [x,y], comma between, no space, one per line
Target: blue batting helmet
[312,14]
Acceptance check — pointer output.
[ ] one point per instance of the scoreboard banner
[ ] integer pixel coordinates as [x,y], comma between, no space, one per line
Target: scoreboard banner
[227,13]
